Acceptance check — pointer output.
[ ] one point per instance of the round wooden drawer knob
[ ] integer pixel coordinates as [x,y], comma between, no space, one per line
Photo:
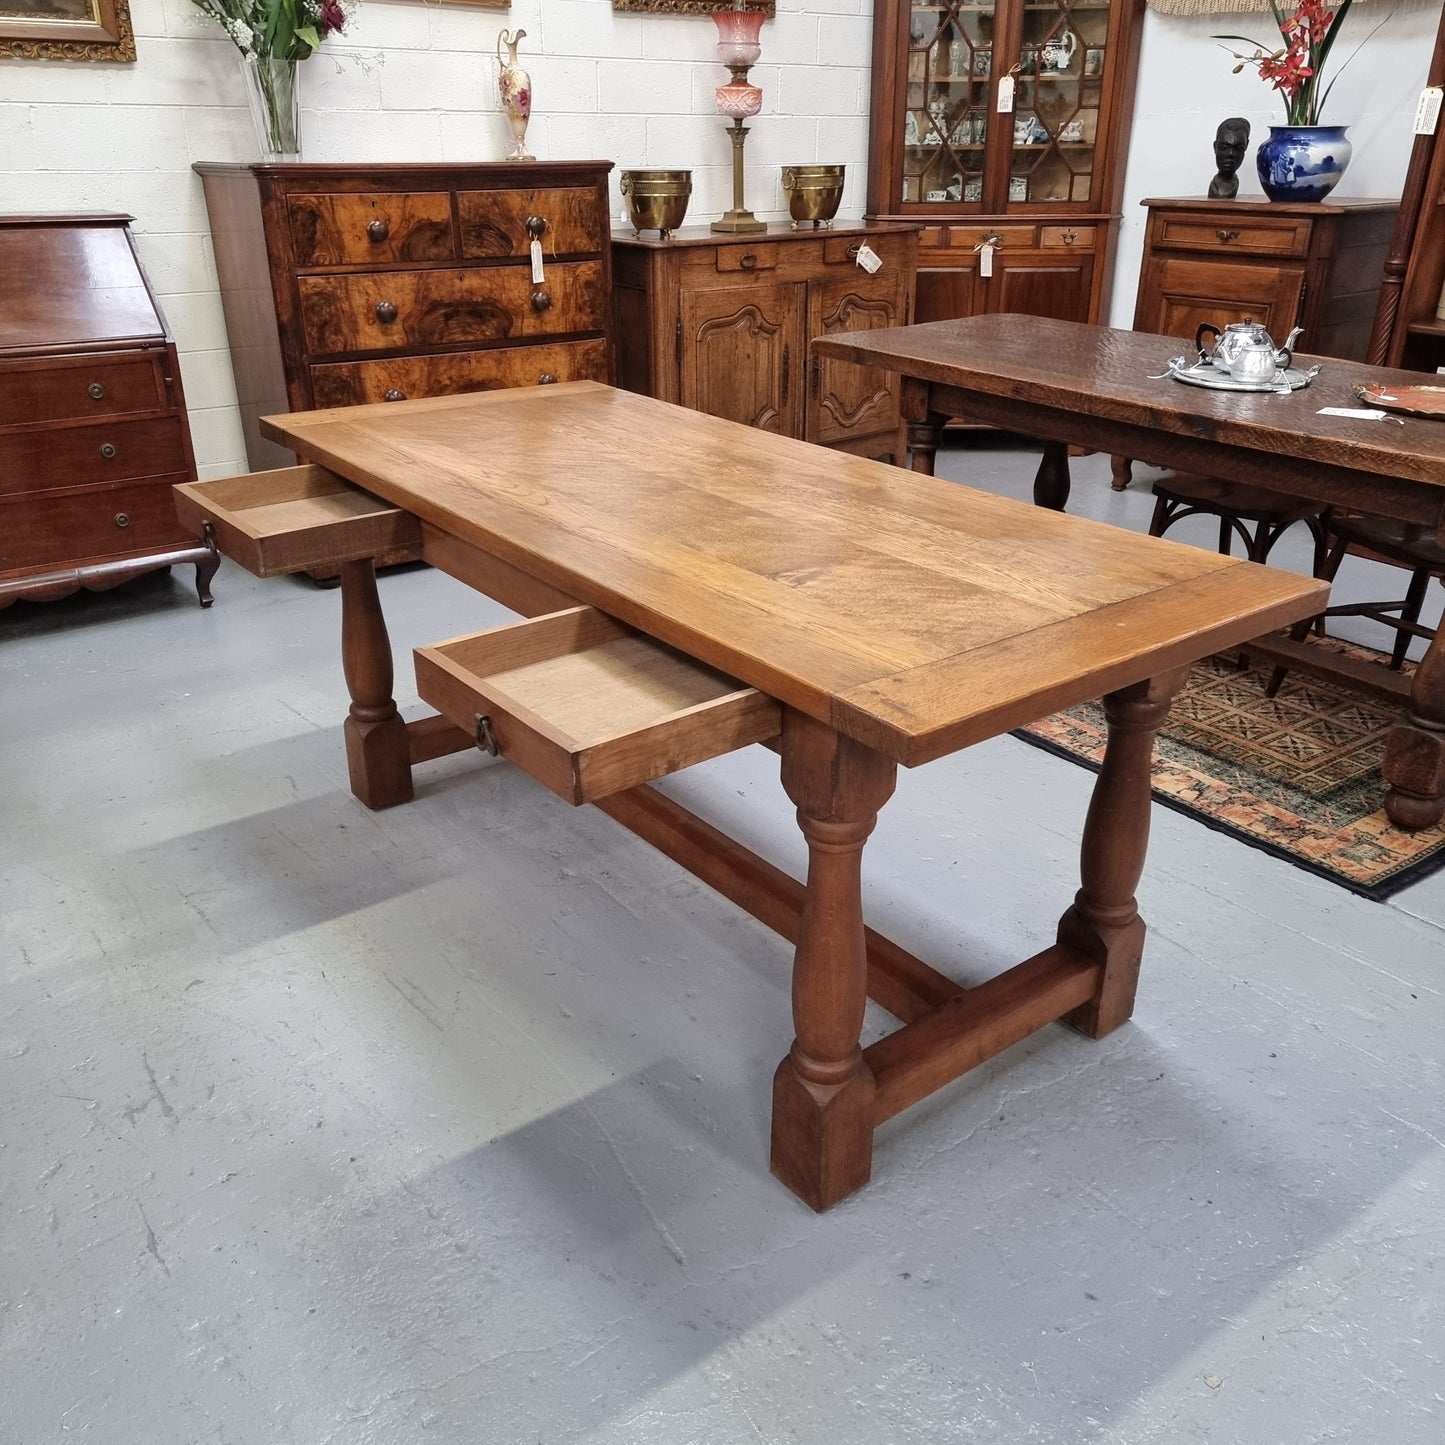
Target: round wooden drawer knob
[96,390]
[385,312]
[107,450]
[536,226]
[541,300]
[395,393]
[377,232]
[122,519]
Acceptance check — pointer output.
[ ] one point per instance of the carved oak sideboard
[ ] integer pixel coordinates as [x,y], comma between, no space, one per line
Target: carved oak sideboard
[721,323]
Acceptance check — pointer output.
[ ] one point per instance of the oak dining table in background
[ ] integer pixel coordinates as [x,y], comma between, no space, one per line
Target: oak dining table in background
[849,616]
[1064,383]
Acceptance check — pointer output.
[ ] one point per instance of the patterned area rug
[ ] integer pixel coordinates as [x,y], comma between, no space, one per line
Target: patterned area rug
[1297,775]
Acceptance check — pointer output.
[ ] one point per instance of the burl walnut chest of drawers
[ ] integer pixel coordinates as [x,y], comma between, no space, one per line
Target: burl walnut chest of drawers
[93,429]
[347,284]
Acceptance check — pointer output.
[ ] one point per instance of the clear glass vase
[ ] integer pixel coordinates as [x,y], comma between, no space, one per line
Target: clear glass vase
[274,94]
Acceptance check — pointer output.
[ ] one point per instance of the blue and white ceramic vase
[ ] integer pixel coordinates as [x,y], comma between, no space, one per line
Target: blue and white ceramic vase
[1302,162]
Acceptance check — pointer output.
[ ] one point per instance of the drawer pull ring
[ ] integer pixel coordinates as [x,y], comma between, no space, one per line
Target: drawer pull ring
[394,393]
[1227,235]
[747,261]
[377,232]
[107,450]
[536,225]
[486,737]
[96,390]
[547,379]
[1069,236]
[541,300]
[385,312]
[122,520]
[853,253]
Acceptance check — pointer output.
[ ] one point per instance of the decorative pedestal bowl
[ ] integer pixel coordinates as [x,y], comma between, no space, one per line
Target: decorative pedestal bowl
[813,193]
[656,200]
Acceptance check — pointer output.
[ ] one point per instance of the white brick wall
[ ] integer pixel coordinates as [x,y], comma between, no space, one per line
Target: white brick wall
[418,82]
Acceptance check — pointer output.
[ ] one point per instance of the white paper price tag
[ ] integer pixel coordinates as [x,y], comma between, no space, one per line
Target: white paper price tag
[985,258]
[869,259]
[1427,112]
[1360,413]
[537,276]
[1006,95]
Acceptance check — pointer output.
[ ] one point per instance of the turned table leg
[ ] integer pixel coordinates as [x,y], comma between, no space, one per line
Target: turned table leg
[1104,921]
[377,755]
[1051,481]
[822,1146]
[1414,763]
[922,428]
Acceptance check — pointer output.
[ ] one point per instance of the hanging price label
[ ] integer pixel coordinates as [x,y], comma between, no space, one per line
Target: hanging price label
[537,276]
[1006,95]
[869,259]
[1427,112]
[985,251]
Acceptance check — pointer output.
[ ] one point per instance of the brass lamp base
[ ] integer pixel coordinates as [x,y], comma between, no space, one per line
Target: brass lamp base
[739,222]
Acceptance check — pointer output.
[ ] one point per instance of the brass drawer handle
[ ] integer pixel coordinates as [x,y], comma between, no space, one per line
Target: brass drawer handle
[386,312]
[1227,235]
[96,390]
[122,519]
[107,450]
[536,225]
[541,299]
[854,252]
[395,393]
[486,735]
[547,379]
[747,261]
[1069,237]
[377,232]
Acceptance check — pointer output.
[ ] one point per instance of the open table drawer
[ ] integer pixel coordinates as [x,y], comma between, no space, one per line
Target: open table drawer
[294,520]
[587,706]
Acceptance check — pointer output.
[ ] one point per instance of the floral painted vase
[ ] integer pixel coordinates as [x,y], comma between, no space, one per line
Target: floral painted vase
[1302,162]
[516,87]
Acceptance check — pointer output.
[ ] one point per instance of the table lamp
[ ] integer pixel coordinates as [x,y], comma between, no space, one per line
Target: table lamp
[738,49]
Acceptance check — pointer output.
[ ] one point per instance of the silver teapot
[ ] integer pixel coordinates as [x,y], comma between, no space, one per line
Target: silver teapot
[1245,350]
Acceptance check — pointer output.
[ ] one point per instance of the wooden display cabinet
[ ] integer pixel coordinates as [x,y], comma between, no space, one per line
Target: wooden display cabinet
[722,323]
[1019,208]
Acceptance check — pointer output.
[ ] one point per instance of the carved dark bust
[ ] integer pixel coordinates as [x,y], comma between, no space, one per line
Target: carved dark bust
[1230,142]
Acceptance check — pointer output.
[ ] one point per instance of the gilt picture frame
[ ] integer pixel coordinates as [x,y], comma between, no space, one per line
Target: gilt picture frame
[66,30]
[687,7]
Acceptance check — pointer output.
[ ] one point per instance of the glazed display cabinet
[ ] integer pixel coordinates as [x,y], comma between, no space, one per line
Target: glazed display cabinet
[1002,127]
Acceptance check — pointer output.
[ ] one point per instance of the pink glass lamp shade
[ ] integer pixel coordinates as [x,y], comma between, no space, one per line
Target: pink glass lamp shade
[737,37]
[738,100]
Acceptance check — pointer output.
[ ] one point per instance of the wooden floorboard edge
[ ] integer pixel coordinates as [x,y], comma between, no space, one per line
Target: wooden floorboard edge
[897,981]
[961,1033]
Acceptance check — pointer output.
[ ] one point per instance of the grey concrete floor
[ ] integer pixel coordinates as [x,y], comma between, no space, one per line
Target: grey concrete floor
[449,1123]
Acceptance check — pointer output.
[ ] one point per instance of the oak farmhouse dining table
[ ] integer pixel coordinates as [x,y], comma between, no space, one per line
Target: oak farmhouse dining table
[1065,383]
[694,586]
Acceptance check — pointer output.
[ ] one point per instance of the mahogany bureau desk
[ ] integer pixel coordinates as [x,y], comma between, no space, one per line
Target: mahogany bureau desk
[695,586]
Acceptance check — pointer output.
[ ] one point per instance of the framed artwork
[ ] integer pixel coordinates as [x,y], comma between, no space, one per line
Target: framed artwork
[66,30]
[684,7]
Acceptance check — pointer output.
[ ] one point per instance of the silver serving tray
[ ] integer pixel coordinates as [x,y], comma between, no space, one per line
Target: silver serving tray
[1209,376]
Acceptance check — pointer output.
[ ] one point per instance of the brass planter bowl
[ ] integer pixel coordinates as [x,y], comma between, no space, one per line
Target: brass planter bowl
[814,193]
[656,200]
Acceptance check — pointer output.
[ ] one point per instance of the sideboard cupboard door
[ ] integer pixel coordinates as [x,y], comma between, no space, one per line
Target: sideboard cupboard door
[1182,295]
[743,355]
[847,401]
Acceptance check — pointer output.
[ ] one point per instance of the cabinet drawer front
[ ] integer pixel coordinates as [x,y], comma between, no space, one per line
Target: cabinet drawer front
[751,257]
[1017,238]
[81,526]
[586,706]
[414,310]
[350,383]
[1079,238]
[1246,236]
[80,387]
[368,230]
[494,223]
[843,250]
[35,461]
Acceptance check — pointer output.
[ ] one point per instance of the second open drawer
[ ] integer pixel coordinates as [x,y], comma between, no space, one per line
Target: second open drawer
[587,706]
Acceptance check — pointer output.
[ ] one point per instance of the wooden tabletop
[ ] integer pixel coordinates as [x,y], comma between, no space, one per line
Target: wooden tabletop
[1098,372]
[914,615]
